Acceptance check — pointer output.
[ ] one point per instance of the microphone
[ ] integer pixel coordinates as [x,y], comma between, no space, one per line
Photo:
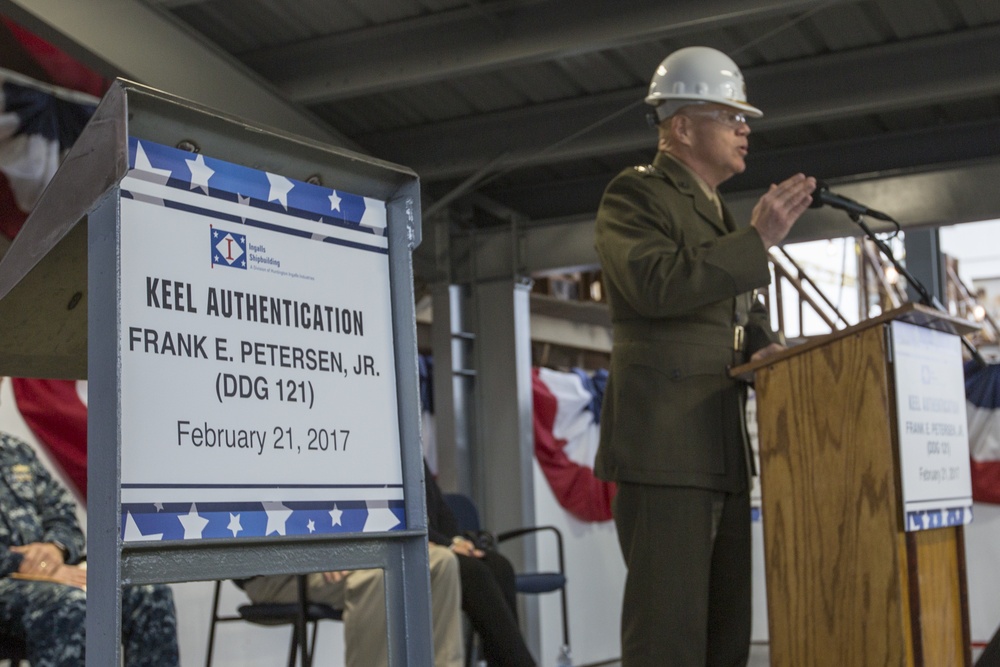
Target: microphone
[822,196]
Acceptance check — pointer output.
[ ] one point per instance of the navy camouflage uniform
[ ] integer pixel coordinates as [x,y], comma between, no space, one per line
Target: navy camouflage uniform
[35,507]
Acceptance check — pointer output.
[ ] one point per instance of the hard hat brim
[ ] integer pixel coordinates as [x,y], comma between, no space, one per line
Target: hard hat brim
[748,109]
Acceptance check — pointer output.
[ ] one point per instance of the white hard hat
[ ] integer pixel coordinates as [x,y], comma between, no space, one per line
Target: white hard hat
[698,75]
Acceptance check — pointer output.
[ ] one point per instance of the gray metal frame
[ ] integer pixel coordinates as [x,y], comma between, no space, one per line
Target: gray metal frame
[86,189]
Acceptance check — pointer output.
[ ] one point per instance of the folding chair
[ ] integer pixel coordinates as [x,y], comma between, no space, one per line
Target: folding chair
[531,583]
[298,614]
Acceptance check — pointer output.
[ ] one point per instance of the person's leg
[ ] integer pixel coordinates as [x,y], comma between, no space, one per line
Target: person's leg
[730,599]
[446,607]
[284,589]
[485,603]
[364,620]
[51,617]
[364,614]
[503,574]
[149,627]
[665,535]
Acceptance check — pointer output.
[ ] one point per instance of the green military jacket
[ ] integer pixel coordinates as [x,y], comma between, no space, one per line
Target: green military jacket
[680,282]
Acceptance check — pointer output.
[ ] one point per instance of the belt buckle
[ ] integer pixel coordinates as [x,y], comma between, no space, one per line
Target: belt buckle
[738,335]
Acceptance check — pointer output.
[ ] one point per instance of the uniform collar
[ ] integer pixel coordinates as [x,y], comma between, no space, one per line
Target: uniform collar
[690,184]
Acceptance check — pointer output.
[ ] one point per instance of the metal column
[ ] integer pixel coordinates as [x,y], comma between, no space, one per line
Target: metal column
[505,445]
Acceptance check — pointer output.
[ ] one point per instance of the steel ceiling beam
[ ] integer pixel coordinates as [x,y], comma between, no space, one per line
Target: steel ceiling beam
[912,74]
[131,39]
[946,145]
[459,43]
[945,196]
[914,150]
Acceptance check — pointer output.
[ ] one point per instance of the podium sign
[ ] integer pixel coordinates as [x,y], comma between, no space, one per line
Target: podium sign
[933,440]
[258,382]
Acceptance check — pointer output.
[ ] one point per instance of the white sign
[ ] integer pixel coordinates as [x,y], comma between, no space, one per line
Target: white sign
[257,362]
[933,437]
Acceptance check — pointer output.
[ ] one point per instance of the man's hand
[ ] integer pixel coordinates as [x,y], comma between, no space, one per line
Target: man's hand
[37,566]
[780,207]
[71,575]
[335,577]
[41,558]
[464,547]
[765,352]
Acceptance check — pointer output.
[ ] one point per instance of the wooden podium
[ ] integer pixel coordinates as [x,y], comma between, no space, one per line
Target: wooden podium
[846,585]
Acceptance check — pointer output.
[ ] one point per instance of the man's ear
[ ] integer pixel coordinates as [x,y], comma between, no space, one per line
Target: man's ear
[663,137]
[664,130]
[674,131]
[681,126]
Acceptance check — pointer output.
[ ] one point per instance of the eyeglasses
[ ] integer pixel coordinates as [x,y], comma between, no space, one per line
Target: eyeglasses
[727,117]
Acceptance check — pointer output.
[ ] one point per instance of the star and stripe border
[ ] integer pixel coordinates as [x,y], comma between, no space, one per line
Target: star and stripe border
[213,520]
[254,188]
[938,518]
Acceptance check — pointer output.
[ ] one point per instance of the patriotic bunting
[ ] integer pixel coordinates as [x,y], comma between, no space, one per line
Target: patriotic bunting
[56,412]
[982,393]
[44,106]
[567,413]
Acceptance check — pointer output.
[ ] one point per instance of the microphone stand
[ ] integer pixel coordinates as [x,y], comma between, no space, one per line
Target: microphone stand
[926,298]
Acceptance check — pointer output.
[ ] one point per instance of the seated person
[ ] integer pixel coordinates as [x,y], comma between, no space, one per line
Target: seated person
[42,586]
[489,597]
[361,595]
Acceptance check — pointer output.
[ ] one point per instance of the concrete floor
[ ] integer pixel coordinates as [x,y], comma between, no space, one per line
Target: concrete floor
[758,658]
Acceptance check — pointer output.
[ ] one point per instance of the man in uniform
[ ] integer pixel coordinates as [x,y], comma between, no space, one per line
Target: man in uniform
[42,585]
[681,276]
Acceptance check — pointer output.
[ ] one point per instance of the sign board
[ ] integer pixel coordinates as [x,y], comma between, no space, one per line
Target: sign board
[257,370]
[932,426]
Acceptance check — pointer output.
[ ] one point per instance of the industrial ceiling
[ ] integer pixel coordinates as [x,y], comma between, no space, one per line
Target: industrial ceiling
[521,111]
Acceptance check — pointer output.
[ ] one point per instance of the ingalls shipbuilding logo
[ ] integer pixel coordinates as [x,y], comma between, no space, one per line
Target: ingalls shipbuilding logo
[229,249]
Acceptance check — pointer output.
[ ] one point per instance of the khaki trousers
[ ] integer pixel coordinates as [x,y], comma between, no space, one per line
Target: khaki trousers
[361,594]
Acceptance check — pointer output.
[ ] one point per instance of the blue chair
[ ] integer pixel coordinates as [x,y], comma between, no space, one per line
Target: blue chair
[531,583]
[300,615]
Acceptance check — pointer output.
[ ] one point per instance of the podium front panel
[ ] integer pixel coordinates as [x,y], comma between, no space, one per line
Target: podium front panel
[846,585]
